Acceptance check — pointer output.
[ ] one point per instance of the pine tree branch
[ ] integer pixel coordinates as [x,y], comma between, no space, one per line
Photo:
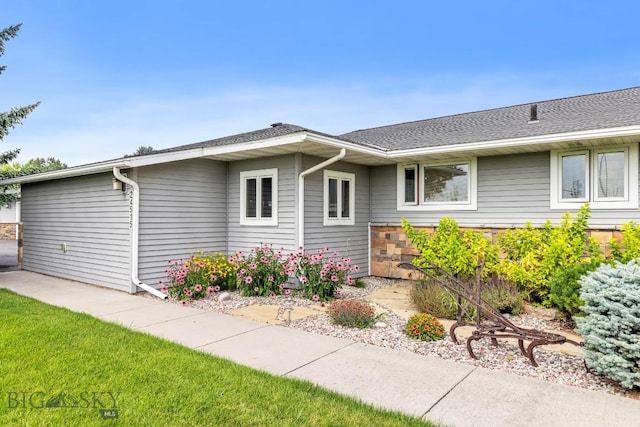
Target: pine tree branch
[14,117]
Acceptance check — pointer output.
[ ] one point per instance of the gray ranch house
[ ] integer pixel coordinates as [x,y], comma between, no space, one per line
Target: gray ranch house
[116,223]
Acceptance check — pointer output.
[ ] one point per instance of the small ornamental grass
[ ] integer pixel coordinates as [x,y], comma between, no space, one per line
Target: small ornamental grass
[425,327]
[202,274]
[352,313]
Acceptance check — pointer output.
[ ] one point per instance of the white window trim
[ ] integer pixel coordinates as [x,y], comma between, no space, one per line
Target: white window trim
[469,205]
[629,201]
[351,220]
[258,174]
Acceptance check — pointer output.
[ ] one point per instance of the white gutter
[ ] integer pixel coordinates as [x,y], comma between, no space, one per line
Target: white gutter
[312,169]
[544,140]
[135,222]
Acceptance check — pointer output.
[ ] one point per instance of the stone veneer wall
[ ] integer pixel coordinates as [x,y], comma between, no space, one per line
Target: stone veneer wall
[8,231]
[390,246]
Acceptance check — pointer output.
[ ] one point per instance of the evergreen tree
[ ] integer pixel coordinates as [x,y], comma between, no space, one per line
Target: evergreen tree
[9,120]
[141,151]
[13,117]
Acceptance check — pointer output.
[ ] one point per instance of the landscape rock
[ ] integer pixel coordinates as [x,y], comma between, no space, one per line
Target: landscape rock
[225,296]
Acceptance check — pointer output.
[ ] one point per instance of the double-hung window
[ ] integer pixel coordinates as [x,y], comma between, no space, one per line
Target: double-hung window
[259,197]
[339,198]
[606,178]
[437,186]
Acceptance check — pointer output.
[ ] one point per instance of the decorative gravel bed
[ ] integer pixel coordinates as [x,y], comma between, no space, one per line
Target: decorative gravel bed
[553,366]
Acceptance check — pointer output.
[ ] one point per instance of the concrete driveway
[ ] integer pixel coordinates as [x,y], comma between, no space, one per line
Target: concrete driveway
[8,255]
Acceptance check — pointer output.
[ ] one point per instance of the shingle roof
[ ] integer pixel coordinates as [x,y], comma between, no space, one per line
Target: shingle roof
[580,113]
[275,130]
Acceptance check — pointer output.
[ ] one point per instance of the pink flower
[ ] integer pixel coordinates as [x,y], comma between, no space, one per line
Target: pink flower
[287,291]
[189,293]
[183,302]
[264,259]
[198,287]
[209,290]
[169,262]
[164,289]
[339,291]
[315,298]
[334,278]
[350,280]
[304,279]
[271,294]
[256,289]
[216,288]
[270,278]
[248,280]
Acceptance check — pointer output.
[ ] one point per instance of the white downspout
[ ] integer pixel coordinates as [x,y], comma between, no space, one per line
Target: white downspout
[312,169]
[135,222]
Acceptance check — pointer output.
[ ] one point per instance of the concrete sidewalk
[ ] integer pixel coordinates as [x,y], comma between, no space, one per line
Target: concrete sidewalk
[438,390]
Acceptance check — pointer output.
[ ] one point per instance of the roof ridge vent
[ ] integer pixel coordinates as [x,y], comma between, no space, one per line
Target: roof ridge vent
[533,113]
[275,125]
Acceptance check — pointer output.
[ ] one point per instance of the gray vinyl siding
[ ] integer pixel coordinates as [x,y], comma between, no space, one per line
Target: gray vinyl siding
[9,213]
[247,237]
[348,240]
[183,207]
[512,189]
[90,217]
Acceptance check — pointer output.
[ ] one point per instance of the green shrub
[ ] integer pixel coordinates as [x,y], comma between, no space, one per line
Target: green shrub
[352,313]
[202,274]
[424,327]
[629,247]
[456,252]
[611,325]
[564,289]
[534,255]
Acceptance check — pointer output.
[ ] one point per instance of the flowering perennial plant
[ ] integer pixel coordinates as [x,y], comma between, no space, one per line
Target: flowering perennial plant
[352,313]
[425,327]
[261,272]
[202,274]
[320,273]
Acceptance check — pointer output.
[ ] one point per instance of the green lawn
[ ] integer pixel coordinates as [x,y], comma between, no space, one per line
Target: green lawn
[58,367]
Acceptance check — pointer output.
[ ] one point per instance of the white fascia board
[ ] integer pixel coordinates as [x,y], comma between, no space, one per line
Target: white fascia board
[520,142]
[379,152]
[66,173]
[254,145]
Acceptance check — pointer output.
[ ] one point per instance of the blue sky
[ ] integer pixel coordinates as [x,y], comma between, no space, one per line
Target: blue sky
[115,75]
